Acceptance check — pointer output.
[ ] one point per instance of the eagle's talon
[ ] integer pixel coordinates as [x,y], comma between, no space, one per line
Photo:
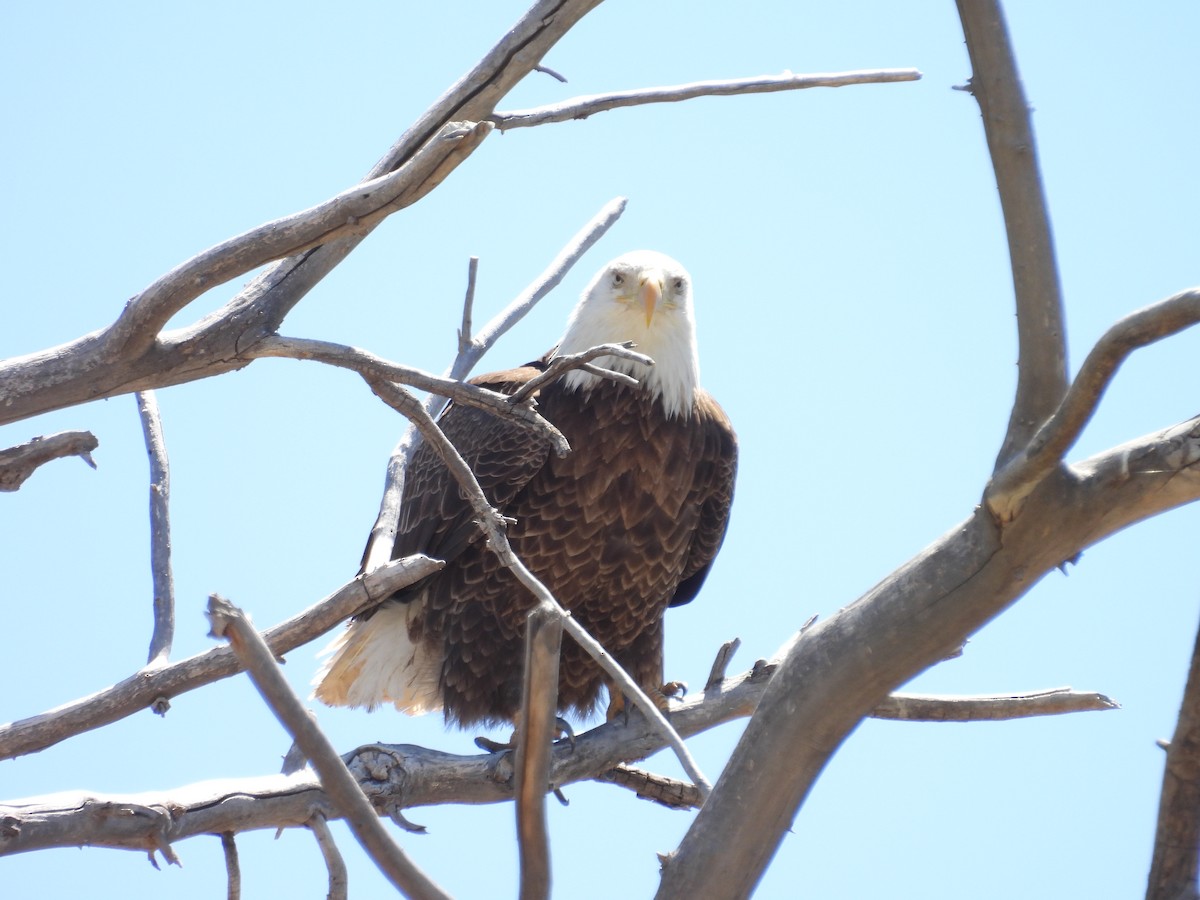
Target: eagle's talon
[566,732]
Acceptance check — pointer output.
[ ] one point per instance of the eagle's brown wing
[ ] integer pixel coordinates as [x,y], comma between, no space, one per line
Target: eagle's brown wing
[716,470]
[435,519]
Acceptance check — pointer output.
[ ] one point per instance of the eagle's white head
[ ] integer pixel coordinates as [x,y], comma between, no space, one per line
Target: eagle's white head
[644,297]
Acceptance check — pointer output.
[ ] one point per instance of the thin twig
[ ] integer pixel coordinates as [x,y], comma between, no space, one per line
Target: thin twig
[464,331]
[19,462]
[252,651]
[233,868]
[721,664]
[1041,332]
[582,107]
[536,729]
[339,881]
[990,708]
[560,365]
[143,688]
[374,368]
[160,530]
[1013,483]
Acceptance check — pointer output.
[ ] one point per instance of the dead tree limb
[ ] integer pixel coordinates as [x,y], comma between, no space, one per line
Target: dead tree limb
[160,531]
[1041,329]
[257,659]
[19,462]
[1173,868]
[582,107]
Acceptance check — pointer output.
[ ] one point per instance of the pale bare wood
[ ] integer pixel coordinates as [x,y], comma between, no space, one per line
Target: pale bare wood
[536,729]
[160,531]
[19,462]
[582,107]
[1175,865]
[1046,449]
[231,623]
[1041,329]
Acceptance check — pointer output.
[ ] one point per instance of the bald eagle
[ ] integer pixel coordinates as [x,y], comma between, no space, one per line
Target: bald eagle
[623,527]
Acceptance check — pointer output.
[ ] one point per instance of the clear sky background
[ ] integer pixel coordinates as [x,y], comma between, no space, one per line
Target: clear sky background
[856,320]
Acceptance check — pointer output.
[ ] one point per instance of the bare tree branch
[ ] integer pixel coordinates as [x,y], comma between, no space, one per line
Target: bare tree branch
[911,620]
[464,331]
[1012,483]
[383,533]
[1173,868]
[394,776]
[339,882]
[160,531]
[375,369]
[582,107]
[669,792]
[535,732]
[148,686]
[256,658]
[1054,702]
[1041,332]
[132,355]
[18,463]
[233,868]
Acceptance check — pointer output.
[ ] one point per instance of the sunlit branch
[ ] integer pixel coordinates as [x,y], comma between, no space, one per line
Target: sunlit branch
[582,107]
[19,462]
[259,662]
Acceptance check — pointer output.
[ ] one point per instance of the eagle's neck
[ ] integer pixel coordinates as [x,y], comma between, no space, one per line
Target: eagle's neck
[673,379]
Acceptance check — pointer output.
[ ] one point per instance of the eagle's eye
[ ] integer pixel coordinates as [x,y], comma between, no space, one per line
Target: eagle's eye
[678,284]
[617,279]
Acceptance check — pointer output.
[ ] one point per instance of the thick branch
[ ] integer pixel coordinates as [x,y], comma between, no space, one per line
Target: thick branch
[131,355]
[910,621]
[160,530]
[256,657]
[996,85]
[1173,869]
[1045,451]
[582,107]
[18,463]
[395,777]
[148,686]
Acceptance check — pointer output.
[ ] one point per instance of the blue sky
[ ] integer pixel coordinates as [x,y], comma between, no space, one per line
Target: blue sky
[855,316]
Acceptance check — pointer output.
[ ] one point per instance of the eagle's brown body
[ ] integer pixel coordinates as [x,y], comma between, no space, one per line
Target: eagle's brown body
[620,529]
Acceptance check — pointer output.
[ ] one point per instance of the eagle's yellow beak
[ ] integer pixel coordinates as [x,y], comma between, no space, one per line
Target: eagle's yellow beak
[651,294]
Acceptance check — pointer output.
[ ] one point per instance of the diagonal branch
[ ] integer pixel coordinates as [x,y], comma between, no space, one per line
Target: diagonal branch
[19,462]
[148,686]
[582,107]
[134,355]
[1045,451]
[160,530]
[1173,868]
[256,658]
[1041,332]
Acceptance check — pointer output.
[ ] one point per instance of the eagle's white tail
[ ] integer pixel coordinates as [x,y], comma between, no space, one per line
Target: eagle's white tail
[374,661]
